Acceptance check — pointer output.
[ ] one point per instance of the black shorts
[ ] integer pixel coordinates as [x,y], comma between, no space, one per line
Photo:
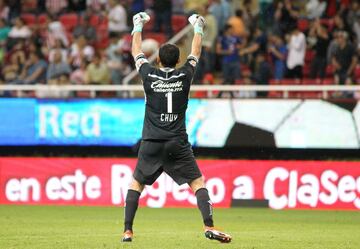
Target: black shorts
[174,157]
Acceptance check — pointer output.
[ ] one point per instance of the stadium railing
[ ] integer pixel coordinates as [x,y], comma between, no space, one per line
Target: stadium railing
[325,90]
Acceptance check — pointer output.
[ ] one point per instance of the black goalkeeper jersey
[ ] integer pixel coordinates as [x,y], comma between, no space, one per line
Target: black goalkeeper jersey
[166,97]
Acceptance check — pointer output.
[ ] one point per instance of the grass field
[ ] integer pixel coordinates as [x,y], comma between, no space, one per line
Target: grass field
[101,227]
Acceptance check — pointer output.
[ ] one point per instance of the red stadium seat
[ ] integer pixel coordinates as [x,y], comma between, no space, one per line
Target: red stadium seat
[29,19]
[309,95]
[159,37]
[303,24]
[309,55]
[306,70]
[357,72]
[42,19]
[97,21]
[83,94]
[69,21]
[310,81]
[328,81]
[275,94]
[103,38]
[329,71]
[328,22]
[178,22]
[290,82]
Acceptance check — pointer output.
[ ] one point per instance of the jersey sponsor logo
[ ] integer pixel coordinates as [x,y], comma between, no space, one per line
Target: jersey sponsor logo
[168,117]
[161,86]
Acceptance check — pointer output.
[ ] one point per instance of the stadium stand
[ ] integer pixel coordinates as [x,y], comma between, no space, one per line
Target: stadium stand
[266,30]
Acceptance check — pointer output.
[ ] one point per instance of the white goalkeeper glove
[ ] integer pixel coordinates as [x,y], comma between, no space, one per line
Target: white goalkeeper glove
[139,20]
[198,22]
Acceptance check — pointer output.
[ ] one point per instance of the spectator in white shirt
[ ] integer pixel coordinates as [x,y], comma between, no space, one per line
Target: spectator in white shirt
[315,8]
[117,18]
[19,30]
[296,55]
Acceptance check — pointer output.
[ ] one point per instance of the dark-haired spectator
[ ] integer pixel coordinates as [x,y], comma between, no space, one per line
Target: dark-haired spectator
[163,15]
[316,8]
[258,44]
[352,13]
[286,16]
[228,47]
[80,51]
[278,52]
[4,10]
[262,72]
[86,29]
[56,7]
[97,72]
[58,71]
[296,55]
[319,36]
[19,30]
[77,5]
[117,18]
[238,24]
[34,70]
[344,60]
[339,24]
[13,67]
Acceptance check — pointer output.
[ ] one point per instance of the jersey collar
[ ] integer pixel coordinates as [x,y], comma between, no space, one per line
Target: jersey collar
[167,69]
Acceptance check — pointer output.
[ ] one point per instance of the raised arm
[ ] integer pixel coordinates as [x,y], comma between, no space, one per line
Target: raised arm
[138,20]
[198,23]
[136,44]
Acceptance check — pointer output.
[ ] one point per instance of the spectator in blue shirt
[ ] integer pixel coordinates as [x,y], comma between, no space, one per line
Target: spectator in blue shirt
[228,47]
[34,70]
[278,52]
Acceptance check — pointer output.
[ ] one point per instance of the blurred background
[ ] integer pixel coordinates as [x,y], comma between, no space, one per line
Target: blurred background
[277,80]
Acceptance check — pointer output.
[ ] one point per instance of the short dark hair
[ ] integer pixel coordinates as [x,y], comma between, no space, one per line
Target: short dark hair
[169,55]
[239,13]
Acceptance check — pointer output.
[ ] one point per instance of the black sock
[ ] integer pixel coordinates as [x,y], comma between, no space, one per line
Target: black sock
[205,206]
[131,205]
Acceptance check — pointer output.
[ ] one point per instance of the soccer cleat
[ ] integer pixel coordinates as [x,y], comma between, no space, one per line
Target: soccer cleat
[213,234]
[128,234]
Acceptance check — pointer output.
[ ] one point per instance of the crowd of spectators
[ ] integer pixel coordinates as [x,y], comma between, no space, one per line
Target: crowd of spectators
[289,42]
[245,41]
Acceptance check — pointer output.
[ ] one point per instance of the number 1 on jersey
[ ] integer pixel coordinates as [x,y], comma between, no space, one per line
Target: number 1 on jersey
[169,102]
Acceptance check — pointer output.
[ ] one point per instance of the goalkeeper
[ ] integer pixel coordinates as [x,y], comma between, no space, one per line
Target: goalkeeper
[164,146]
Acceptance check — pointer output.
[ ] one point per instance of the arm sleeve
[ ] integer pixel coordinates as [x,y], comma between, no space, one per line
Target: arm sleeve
[190,66]
[142,65]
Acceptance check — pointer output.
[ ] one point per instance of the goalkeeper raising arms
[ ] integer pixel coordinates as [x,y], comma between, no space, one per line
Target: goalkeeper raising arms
[164,145]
